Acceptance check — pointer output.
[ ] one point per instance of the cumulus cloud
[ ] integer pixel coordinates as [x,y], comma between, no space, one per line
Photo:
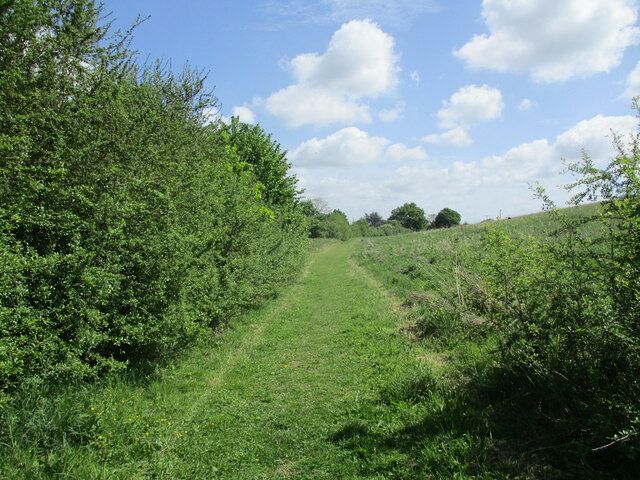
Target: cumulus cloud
[399,152]
[469,105]
[415,76]
[359,63]
[245,114]
[502,181]
[553,40]
[466,107]
[347,147]
[352,147]
[392,114]
[213,114]
[595,136]
[526,105]
[456,136]
[300,105]
[633,83]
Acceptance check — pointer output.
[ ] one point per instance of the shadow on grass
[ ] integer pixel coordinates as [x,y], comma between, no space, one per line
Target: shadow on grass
[460,434]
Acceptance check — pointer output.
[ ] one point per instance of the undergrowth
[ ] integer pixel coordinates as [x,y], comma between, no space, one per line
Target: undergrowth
[538,316]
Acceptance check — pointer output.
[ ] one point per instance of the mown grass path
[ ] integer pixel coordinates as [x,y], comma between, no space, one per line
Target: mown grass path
[291,386]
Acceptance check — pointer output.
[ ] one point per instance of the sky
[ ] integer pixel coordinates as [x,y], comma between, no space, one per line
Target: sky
[464,104]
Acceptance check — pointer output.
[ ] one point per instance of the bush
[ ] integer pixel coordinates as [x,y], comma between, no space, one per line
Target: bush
[128,228]
[566,310]
[446,218]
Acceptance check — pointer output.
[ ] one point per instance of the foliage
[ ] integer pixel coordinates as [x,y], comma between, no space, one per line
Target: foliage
[127,227]
[325,225]
[539,315]
[374,219]
[410,216]
[567,309]
[361,228]
[446,218]
[269,164]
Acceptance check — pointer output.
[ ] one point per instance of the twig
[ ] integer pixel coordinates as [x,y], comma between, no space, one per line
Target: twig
[617,440]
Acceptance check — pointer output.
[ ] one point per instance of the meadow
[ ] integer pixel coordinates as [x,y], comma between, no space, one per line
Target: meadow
[508,310]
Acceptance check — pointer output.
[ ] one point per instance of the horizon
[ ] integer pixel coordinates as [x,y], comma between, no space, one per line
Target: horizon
[380,103]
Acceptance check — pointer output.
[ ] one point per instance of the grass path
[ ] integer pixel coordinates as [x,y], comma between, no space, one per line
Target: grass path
[318,384]
[284,394]
[282,398]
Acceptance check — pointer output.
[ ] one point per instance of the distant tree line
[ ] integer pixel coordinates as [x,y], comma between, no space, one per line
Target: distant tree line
[130,224]
[404,219]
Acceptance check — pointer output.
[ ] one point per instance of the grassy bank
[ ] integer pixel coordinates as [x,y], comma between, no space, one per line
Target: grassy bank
[528,365]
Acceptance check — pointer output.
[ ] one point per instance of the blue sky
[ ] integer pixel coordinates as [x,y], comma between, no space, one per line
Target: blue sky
[461,104]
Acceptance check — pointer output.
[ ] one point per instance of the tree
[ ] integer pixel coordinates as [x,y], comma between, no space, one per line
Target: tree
[374,219]
[337,226]
[446,218]
[269,163]
[410,216]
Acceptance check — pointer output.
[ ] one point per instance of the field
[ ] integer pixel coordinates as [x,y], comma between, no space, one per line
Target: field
[374,365]
[489,301]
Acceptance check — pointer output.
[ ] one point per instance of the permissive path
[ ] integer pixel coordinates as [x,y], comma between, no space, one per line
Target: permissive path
[292,387]
[320,383]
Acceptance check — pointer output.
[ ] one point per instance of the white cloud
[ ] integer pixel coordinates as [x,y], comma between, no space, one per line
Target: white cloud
[244,114]
[553,40]
[469,105]
[466,107]
[399,152]
[478,189]
[456,136]
[595,136]
[213,114]
[633,83]
[526,105]
[350,147]
[300,105]
[501,182]
[359,63]
[347,147]
[392,114]
[415,76]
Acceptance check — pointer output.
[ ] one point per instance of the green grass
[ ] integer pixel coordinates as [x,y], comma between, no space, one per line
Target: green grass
[439,278]
[321,383]
[318,384]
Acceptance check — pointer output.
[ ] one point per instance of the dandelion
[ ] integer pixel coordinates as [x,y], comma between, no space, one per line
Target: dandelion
[146,434]
[92,409]
[100,437]
[128,419]
[257,459]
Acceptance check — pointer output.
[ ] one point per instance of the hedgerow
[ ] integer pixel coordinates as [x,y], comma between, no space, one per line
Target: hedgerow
[129,224]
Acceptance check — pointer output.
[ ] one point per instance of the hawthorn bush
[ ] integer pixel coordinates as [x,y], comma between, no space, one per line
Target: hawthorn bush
[128,226]
[566,310]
